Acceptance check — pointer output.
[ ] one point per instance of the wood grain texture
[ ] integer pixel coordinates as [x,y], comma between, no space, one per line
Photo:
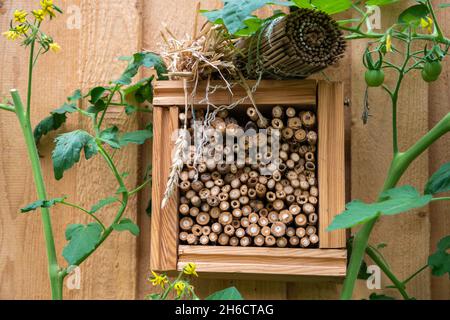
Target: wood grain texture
[285,92]
[407,235]
[331,161]
[439,102]
[88,58]
[270,261]
[164,234]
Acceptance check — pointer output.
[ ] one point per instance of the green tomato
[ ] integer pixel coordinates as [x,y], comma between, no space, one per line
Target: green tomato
[433,68]
[428,77]
[374,78]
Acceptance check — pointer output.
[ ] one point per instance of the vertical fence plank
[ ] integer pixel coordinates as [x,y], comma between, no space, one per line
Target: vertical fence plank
[88,57]
[439,100]
[23,263]
[407,235]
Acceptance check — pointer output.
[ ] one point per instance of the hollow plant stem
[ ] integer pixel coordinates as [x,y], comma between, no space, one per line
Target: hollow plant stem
[56,281]
[387,271]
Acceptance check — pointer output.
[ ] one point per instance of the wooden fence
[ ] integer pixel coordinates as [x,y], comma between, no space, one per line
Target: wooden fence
[93,34]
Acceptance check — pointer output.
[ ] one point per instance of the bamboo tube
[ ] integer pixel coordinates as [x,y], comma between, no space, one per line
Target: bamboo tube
[223,239]
[186,223]
[305,242]
[270,240]
[301,220]
[196,230]
[216,227]
[183,236]
[245,222]
[314,238]
[213,237]
[245,241]
[234,241]
[191,239]
[294,241]
[203,218]
[225,218]
[282,242]
[311,230]
[300,232]
[259,240]
[290,231]
[278,229]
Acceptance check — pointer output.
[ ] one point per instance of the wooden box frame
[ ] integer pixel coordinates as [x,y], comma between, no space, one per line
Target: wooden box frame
[329,259]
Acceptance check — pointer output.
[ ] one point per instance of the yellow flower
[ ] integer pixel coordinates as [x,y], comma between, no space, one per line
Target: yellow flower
[388,43]
[427,24]
[11,34]
[39,14]
[179,286]
[55,47]
[23,28]
[47,7]
[20,16]
[190,269]
[158,280]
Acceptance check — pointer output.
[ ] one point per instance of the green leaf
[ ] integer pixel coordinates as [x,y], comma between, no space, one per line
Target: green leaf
[111,137]
[396,201]
[327,6]
[96,94]
[235,12]
[413,14]
[127,225]
[143,94]
[76,95]
[440,260]
[102,203]
[136,137]
[227,294]
[41,204]
[53,122]
[375,296]
[444,5]
[145,59]
[380,2]
[99,106]
[439,181]
[83,239]
[68,149]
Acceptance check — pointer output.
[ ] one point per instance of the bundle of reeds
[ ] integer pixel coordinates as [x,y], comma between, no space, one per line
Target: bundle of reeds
[294,46]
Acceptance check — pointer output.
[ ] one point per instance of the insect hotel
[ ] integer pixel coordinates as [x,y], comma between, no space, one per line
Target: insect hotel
[262,203]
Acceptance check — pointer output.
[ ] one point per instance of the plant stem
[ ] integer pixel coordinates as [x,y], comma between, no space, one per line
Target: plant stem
[85,211]
[107,105]
[414,274]
[142,186]
[399,164]
[7,108]
[53,267]
[441,199]
[120,212]
[30,79]
[387,271]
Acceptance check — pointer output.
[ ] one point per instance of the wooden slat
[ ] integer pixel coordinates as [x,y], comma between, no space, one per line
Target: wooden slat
[439,100]
[285,92]
[164,221]
[407,235]
[331,163]
[277,261]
